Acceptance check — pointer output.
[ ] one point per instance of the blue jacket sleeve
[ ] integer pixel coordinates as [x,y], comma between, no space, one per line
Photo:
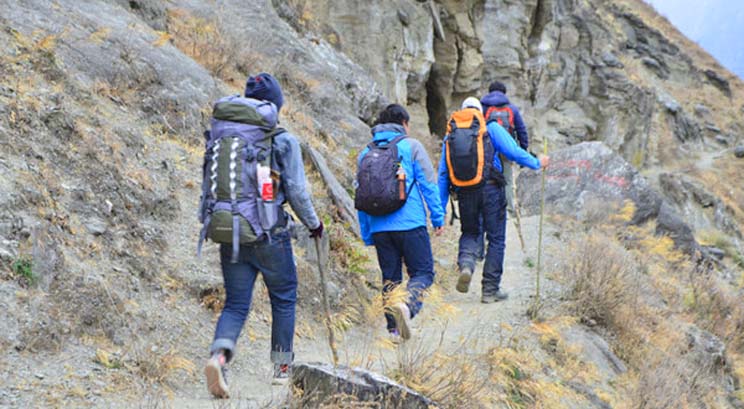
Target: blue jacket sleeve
[364,218]
[520,128]
[504,144]
[443,181]
[364,228]
[427,182]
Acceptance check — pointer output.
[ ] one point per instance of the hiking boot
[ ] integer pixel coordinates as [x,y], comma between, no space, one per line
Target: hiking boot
[402,316]
[489,298]
[463,282]
[215,372]
[281,374]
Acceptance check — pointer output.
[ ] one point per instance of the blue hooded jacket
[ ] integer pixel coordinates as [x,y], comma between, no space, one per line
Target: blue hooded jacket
[497,99]
[503,144]
[420,180]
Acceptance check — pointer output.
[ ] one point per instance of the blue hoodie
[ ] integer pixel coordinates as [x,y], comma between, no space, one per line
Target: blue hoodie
[419,173]
[503,144]
[497,99]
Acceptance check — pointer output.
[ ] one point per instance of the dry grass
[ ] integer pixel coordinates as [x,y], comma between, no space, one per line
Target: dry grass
[716,307]
[203,40]
[602,278]
[668,381]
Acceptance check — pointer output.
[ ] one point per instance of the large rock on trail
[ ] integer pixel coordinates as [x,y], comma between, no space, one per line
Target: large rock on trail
[588,177]
[321,382]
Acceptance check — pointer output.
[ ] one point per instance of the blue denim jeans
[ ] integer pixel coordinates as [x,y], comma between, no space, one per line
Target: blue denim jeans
[486,206]
[275,262]
[413,248]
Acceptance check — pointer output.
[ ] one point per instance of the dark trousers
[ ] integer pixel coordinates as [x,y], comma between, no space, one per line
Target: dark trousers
[275,262]
[413,248]
[483,210]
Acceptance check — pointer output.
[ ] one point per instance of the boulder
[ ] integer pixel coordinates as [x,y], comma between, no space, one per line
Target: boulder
[739,151]
[320,381]
[583,173]
[611,60]
[590,172]
[719,82]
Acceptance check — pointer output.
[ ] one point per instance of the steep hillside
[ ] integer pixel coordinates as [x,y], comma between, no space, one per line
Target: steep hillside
[102,108]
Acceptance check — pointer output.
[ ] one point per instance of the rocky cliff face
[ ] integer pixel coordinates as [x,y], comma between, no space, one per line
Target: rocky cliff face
[579,71]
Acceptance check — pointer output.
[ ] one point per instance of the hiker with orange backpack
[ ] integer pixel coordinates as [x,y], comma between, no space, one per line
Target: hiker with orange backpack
[396,182]
[471,166]
[251,168]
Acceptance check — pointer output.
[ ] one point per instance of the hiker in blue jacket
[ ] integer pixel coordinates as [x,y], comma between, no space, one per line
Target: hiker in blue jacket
[401,236]
[489,204]
[272,257]
[496,97]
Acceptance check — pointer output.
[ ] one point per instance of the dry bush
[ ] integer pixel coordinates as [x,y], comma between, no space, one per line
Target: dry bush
[601,278]
[203,40]
[453,380]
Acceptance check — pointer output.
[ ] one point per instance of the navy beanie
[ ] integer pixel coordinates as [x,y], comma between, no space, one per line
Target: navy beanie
[265,87]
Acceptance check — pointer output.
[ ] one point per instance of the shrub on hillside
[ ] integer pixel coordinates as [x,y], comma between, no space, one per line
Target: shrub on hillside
[601,278]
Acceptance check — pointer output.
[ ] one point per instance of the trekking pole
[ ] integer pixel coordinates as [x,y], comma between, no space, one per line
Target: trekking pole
[326,305]
[517,212]
[536,307]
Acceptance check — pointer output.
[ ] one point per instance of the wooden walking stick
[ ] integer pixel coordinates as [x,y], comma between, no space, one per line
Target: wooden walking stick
[535,309]
[517,212]
[326,305]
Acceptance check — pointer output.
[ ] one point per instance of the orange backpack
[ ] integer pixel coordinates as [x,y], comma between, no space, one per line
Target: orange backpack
[468,149]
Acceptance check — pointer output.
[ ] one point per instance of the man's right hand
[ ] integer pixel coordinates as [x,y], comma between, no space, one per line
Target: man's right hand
[544,160]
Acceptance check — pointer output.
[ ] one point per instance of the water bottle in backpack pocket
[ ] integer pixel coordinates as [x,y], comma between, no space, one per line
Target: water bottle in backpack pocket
[268,211]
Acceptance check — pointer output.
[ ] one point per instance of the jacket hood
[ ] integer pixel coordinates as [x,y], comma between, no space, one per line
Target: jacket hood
[387,131]
[495,98]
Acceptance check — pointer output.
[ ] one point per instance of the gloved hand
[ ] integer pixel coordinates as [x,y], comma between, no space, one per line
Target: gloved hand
[317,232]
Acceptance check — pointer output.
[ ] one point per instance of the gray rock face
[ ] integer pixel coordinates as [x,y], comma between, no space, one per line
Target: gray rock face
[699,207]
[584,175]
[594,349]
[705,349]
[320,382]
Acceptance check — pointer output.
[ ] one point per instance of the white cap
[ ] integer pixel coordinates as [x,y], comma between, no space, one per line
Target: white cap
[472,102]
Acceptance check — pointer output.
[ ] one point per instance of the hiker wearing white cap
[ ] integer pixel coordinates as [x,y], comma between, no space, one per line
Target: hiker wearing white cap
[471,167]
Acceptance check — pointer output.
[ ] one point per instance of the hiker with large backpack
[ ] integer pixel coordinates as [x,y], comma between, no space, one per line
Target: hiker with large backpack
[395,178]
[251,168]
[472,168]
[496,107]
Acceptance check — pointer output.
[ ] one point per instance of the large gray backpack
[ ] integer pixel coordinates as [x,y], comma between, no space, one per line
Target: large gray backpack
[235,208]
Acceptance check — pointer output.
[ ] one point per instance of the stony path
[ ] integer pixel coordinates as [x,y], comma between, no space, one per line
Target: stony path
[475,327]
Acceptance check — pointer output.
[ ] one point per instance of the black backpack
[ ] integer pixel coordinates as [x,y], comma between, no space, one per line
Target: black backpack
[381,182]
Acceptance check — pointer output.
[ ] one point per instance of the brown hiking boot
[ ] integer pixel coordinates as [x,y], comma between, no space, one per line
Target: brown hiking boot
[215,373]
[463,282]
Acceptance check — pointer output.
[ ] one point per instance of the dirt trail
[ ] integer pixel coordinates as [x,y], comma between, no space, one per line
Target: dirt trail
[475,327]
